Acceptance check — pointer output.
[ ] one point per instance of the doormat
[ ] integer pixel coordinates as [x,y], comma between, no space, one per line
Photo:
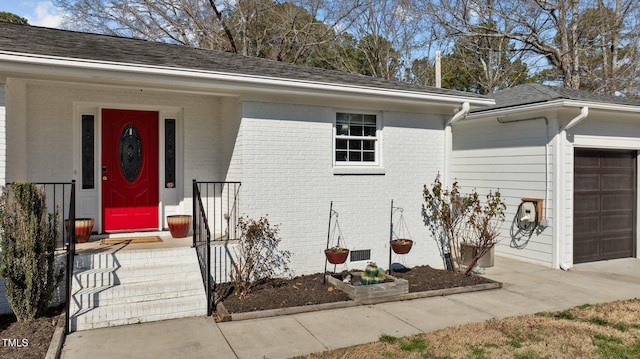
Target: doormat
[128,240]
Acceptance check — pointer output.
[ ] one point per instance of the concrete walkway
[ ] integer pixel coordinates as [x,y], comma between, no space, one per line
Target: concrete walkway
[527,289]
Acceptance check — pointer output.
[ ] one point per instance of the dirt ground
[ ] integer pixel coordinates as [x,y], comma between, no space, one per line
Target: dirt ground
[27,340]
[308,290]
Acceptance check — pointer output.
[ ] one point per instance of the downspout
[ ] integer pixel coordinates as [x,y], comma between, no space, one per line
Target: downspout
[459,115]
[448,142]
[561,257]
[584,112]
[448,154]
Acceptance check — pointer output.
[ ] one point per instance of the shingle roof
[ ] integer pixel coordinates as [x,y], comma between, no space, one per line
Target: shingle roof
[70,44]
[529,94]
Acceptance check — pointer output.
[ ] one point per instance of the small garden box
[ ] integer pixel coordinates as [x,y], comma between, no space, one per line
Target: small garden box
[371,293]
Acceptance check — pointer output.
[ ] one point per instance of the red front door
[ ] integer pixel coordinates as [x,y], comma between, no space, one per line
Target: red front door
[129,170]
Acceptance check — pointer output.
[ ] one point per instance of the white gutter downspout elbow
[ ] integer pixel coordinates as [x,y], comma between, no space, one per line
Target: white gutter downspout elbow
[584,112]
[448,142]
[460,114]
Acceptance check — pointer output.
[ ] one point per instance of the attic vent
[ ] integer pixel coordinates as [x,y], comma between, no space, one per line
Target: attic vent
[360,255]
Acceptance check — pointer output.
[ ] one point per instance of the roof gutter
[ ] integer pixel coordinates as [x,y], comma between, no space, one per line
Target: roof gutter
[26,62]
[503,112]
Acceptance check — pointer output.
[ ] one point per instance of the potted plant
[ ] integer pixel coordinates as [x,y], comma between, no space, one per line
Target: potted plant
[179,225]
[401,245]
[372,274]
[336,255]
[83,228]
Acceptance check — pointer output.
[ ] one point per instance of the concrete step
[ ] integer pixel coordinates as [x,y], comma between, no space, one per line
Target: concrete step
[132,258]
[108,277]
[135,292]
[136,286]
[140,312]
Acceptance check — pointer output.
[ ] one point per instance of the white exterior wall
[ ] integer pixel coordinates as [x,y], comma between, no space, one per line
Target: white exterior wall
[287,173]
[602,131]
[3,135]
[51,137]
[517,159]
[511,156]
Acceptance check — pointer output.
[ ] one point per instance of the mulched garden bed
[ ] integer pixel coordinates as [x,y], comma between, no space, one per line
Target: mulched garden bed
[32,336]
[309,290]
[425,278]
[281,293]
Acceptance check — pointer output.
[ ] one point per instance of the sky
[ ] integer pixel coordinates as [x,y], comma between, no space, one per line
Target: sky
[38,12]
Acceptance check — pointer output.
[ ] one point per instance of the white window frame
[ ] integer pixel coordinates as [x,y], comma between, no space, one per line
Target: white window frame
[358,167]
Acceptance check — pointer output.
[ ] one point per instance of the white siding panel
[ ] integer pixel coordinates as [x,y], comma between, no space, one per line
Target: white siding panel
[514,158]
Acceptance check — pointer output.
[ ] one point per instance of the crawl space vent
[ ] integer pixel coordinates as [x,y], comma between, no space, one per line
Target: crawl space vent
[360,255]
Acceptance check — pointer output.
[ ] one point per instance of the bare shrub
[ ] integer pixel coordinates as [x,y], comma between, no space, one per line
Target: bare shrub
[257,255]
[455,218]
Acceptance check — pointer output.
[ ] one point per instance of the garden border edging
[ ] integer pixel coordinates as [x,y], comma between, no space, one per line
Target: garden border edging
[224,316]
[57,339]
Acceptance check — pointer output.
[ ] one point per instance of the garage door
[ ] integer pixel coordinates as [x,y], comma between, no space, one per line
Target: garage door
[604,205]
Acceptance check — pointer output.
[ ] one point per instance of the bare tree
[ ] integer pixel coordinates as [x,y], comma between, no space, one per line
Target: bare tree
[286,31]
[389,35]
[548,28]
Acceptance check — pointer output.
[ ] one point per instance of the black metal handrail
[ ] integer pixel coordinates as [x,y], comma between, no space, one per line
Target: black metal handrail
[202,244]
[217,196]
[71,252]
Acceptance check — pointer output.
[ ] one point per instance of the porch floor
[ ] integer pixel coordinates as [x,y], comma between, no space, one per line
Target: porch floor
[94,244]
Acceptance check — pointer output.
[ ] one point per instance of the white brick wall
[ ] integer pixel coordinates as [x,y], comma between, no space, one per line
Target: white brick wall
[50,130]
[3,135]
[287,173]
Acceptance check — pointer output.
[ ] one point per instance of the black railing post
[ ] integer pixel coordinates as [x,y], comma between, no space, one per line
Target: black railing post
[208,273]
[71,250]
[194,215]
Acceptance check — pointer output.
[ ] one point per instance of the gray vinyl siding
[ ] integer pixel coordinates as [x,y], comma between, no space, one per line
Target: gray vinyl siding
[488,155]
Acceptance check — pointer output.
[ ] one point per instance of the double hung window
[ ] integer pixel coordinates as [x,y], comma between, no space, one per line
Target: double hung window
[356,139]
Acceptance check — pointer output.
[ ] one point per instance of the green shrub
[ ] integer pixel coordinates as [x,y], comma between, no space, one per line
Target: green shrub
[28,238]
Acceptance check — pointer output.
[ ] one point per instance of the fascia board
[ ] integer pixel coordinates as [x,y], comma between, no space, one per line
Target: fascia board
[111,69]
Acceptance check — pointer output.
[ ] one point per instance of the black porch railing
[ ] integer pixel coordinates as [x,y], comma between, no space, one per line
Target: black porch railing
[215,217]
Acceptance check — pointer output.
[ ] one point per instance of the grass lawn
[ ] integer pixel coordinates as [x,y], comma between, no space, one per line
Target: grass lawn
[610,330]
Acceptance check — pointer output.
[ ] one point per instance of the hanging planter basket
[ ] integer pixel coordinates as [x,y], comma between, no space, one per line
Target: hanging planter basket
[401,245]
[336,255]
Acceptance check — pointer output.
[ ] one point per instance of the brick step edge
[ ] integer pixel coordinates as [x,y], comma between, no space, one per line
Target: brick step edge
[137,320]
